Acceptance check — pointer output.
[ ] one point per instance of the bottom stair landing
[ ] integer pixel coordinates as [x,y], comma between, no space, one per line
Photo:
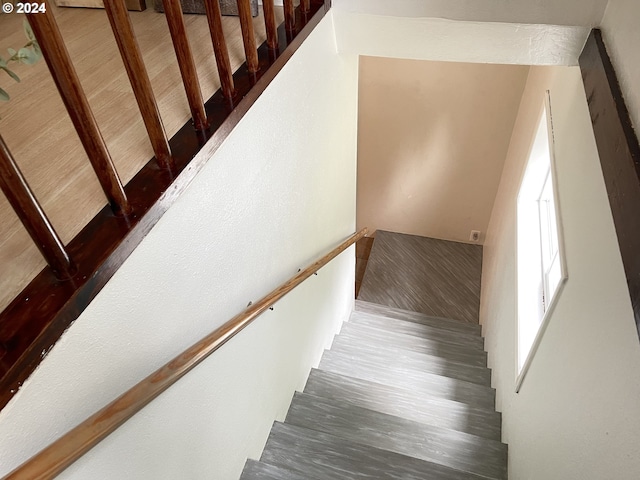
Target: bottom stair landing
[400,395]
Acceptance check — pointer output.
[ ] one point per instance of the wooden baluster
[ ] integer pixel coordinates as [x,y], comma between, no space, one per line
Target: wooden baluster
[270,24]
[305,5]
[214,17]
[132,58]
[175,20]
[66,79]
[248,37]
[21,198]
[289,16]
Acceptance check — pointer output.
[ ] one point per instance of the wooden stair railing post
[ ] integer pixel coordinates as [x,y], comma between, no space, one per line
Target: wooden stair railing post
[289,16]
[23,201]
[305,5]
[66,79]
[139,78]
[248,37]
[214,17]
[270,24]
[175,20]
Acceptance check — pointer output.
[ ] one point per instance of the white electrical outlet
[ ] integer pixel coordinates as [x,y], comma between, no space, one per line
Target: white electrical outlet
[475,235]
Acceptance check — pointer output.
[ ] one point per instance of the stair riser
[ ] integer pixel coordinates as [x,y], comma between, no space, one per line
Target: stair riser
[406,404]
[382,333]
[443,323]
[417,330]
[417,381]
[415,361]
[453,353]
[263,471]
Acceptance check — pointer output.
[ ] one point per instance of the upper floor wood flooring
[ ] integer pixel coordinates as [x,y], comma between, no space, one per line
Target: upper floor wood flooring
[39,133]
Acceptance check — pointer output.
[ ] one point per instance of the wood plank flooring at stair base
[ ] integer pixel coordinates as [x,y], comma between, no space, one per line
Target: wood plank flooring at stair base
[454,353]
[417,330]
[447,447]
[425,275]
[405,403]
[417,317]
[321,456]
[428,383]
[263,471]
[386,356]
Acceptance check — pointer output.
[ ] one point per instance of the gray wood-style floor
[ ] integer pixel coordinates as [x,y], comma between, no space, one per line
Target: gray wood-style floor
[400,395]
[435,277]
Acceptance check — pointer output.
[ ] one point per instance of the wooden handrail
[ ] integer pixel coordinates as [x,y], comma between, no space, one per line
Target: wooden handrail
[70,447]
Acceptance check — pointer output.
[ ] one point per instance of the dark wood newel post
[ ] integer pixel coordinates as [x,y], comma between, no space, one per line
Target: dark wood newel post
[21,198]
[66,79]
[248,37]
[175,19]
[139,78]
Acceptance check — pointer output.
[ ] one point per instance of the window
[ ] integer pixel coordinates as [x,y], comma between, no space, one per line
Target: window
[540,255]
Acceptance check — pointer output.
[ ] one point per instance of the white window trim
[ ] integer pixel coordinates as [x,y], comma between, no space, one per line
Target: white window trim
[521,374]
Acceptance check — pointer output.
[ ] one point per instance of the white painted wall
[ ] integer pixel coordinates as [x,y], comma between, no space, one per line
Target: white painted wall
[622,38]
[277,194]
[457,41]
[577,415]
[432,139]
[553,12]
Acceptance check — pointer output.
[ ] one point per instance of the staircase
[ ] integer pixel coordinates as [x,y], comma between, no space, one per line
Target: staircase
[400,395]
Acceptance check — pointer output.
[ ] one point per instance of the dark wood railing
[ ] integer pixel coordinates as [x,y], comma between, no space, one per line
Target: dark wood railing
[139,79]
[75,443]
[32,216]
[173,12]
[66,79]
[77,271]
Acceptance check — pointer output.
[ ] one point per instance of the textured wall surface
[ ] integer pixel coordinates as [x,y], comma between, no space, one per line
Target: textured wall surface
[242,227]
[552,12]
[577,414]
[458,41]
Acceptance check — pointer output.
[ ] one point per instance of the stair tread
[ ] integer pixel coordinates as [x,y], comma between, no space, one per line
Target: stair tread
[415,360]
[393,312]
[456,353]
[408,378]
[416,329]
[451,448]
[405,403]
[254,470]
[322,455]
